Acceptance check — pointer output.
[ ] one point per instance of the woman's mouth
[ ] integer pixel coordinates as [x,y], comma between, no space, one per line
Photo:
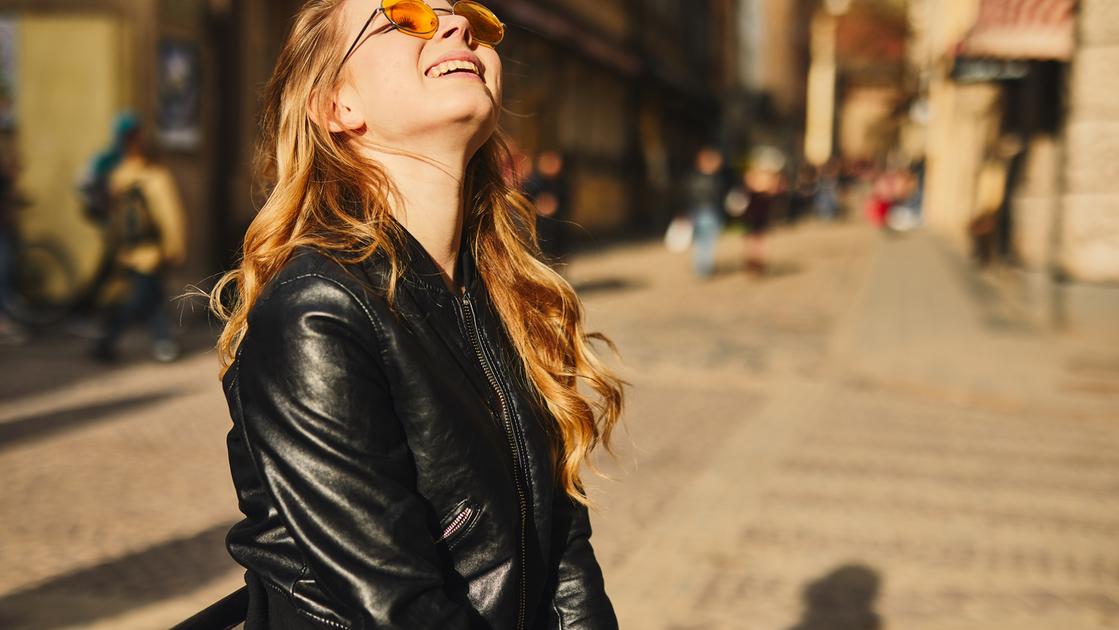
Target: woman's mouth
[454,67]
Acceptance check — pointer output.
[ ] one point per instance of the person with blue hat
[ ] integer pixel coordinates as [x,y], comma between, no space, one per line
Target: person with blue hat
[146,228]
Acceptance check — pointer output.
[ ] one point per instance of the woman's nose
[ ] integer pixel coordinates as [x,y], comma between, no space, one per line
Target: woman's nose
[451,26]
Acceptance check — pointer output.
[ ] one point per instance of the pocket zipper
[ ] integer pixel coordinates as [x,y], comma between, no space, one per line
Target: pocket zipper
[456,524]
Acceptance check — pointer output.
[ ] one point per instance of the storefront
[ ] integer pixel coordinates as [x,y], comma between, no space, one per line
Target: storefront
[69,68]
[1027,82]
[1021,50]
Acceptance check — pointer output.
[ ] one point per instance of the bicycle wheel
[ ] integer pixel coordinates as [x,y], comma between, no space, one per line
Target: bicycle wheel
[43,284]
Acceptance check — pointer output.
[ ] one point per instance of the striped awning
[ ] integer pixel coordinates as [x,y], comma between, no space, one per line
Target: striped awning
[1023,29]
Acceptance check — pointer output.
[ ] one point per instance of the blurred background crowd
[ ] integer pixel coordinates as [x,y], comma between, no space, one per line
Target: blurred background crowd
[862,254]
[985,120]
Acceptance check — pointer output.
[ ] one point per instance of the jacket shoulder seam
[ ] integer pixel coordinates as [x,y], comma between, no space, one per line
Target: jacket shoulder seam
[335,282]
[373,321]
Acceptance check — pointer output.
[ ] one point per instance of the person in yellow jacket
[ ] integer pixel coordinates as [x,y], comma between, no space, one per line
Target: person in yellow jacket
[148,235]
[992,188]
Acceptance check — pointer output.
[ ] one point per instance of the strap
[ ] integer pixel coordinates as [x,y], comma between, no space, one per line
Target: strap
[223,614]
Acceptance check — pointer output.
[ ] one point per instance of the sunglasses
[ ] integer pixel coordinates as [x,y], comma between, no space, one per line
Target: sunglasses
[418,19]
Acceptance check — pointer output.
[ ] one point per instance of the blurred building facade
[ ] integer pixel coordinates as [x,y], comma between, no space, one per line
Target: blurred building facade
[626,89]
[857,80]
[998,73]
[769,96]
[1088,232]
[72,66]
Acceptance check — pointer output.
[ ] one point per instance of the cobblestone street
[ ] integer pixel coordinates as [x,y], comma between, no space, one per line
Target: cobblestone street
[869,431]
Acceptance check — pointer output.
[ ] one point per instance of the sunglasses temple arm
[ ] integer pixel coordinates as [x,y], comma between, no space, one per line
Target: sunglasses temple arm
[360,33]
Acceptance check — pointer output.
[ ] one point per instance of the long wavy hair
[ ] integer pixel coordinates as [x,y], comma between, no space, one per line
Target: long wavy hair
[321,192]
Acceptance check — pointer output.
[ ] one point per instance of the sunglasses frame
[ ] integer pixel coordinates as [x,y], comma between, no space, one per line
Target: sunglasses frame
[436,10]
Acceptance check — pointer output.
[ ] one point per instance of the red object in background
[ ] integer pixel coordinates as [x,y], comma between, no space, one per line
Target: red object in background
[876,210]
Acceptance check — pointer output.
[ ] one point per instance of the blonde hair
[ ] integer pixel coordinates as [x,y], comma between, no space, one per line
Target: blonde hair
[323,194]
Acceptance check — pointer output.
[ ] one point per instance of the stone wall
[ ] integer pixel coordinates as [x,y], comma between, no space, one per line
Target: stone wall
[1089,223]
[1036,202]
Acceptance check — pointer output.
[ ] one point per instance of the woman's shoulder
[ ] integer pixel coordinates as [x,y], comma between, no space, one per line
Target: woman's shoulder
[309,266]
[313,313]
[313,282]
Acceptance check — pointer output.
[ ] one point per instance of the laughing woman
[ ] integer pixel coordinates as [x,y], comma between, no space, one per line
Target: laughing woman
[401,370]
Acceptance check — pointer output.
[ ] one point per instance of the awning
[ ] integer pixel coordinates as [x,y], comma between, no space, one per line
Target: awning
[1023,29]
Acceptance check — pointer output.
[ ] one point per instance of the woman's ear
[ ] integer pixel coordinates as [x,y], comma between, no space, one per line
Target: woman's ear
[338,113]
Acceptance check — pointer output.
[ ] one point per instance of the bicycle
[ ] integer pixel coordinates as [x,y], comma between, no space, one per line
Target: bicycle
[45,287]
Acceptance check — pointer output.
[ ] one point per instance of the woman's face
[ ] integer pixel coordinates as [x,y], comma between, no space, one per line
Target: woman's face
[392,89]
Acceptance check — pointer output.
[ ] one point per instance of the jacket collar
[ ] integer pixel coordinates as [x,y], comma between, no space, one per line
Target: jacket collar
[424,272]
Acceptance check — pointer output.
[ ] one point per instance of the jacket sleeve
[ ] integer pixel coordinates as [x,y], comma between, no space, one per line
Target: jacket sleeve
[580,601]
[319,424]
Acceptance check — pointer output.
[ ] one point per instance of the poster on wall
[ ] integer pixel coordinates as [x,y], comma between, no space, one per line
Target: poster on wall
[178,115]
[7,73]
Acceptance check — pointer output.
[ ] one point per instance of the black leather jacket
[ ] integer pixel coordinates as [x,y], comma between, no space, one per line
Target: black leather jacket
[394,467]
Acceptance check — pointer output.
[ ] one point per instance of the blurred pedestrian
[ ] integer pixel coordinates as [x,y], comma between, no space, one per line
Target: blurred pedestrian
[916,200]
[826,203]
[992,190]
[806,192]
[96,202]
[11,333]
[704,189]
[886,191]
[94,185]
[413,394]
[764,183]
[549,190]
[147,234]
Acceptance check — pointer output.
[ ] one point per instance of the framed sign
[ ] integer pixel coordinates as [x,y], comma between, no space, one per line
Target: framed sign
[983,70]
[8,78]
[178,110]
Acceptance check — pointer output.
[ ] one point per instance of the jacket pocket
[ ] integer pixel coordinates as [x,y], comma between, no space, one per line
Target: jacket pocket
[309,600]
[458,523]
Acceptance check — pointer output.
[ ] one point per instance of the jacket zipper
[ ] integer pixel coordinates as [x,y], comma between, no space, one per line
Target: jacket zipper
[456,523]
[514,446]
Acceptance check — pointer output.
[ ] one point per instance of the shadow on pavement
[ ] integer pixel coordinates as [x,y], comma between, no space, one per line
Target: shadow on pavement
[773,269]
[842,600]
[607,285]
[38,426]
[55,360]
[779,269]
[146,577]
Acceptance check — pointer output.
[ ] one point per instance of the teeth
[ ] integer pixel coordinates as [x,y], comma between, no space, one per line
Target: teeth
[448,66]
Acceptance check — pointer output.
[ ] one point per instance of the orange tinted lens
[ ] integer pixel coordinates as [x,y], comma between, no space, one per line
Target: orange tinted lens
[411,16]
[484,25]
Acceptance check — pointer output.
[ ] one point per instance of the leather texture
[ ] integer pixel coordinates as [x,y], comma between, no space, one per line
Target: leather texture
[394,465]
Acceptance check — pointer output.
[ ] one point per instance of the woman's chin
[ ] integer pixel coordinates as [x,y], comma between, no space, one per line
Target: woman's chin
[469,111]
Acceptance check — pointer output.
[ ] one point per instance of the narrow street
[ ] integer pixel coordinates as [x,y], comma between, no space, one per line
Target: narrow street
[870,431]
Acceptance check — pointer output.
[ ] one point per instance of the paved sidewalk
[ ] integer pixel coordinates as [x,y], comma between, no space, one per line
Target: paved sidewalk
[920,468]
[851,437]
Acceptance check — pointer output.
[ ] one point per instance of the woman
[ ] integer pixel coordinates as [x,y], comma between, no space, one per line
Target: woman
[401,370]
[763,181]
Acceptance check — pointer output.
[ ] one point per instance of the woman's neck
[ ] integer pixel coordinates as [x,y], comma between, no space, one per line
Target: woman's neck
[433,212]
